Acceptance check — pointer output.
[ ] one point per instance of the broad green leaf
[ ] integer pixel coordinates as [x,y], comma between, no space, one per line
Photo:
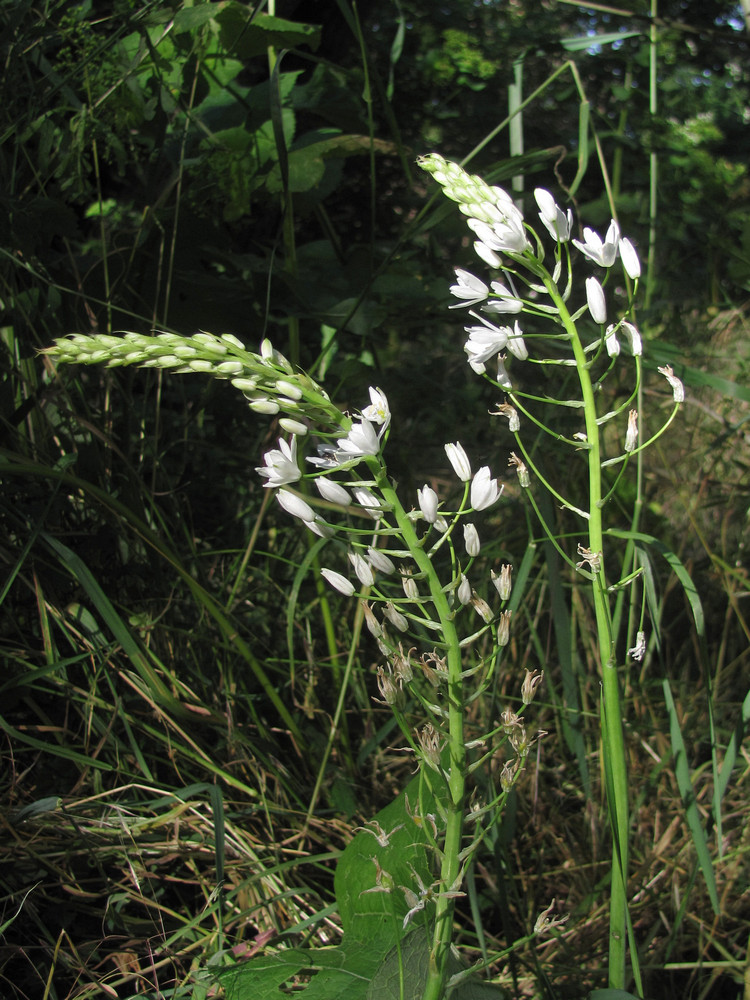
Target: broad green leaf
[365,860]
[246,34]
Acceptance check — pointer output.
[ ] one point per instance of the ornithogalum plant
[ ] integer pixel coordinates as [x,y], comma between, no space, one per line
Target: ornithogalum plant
[416,567]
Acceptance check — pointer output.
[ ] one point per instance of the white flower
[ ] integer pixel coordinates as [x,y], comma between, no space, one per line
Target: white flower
[292,426]
[464,590]
[516,345]
[361,440]
[369,501]
[428,503]
[506,302]
[378,411]
[281,465]
[320,527]
[488,256]
[471,540]
[295,505]
[459,460]
[507,235]
[629,258]
[484,489]
[593,248]
[483,343]
[362,568]
[338,582]
[332,491]
[468,288]
[597,302]
[556,222]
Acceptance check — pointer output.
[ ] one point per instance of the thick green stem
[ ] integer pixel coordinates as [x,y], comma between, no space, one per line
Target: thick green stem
[613,743]
[450,864]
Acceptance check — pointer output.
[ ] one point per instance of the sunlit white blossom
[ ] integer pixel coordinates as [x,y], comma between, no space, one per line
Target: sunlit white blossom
[557,223]
[280,464]
[488,256]
[602,253]
[365,498]
[428,503]
[295,505]
[378,412]
[596,301]
[629,258]
[483,343]
[484,489]
[506,301]
[361,440]
[468,288]
[332,491]
[459,460]
[516,344]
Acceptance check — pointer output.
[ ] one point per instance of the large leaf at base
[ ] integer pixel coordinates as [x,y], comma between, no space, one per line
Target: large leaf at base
[356,873]
[341,973]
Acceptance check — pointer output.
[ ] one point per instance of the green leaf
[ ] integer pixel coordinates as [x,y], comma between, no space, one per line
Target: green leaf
[341,973]
[246,34]
[362,910]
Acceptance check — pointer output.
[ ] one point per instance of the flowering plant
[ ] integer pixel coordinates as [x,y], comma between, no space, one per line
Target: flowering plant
[403,872]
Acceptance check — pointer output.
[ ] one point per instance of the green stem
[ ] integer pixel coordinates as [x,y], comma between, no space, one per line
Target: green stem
[450,864]
[613,743]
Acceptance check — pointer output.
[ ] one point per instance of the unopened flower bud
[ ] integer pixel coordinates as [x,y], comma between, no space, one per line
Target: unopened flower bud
[380,561]
[338,582]
[332,491]
[471,540]
[629,258]
[362,568]
[428,503]
[459,460]
[595,298]
[295,505]
[410,586]
[464,590]
[395,617]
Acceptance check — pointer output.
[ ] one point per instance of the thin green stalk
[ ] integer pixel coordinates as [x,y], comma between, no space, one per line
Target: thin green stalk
[612,737]
[450,864]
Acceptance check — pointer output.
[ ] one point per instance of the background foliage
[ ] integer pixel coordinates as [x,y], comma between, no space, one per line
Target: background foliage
[172,800]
